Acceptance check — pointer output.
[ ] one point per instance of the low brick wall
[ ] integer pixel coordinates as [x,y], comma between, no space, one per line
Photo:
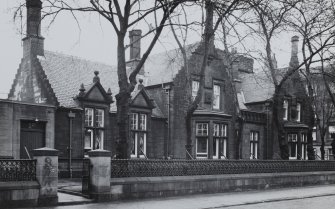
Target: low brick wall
[149,187]
[19,193]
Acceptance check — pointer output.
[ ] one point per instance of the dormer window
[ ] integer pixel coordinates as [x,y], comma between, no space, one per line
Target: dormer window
[216,96]
[94,129]
[285,110]
[195,88]
[298,112]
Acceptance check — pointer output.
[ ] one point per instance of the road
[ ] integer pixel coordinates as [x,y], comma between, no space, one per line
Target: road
[324,202]
[313,197]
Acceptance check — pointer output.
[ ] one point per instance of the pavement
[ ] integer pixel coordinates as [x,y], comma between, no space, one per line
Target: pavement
[69,192]
[203,201]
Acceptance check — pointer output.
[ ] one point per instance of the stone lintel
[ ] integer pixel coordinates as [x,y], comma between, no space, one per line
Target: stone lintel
[45,151]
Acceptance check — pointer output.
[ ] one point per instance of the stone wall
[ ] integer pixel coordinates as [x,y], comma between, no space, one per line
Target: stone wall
[19,193]
[149,187]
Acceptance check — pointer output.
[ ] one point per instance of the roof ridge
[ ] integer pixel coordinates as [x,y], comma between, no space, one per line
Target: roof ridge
[78,58]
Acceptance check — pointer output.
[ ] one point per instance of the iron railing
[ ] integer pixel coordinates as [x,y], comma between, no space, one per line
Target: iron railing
[17,170]
[150,168]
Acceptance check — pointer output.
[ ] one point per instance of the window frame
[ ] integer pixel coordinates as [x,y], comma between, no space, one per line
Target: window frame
[292,142]
[285,108]
[220,137]
[137,130]
[195,88]
[94,128]
[298,112]
[303,146]
[201,135]
[216,104]
[254,145]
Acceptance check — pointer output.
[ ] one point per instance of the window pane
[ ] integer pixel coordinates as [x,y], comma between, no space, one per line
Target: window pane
[216,99]
[88,139]
[195,88]
[215,147]
[285,109]
[134,121]
[99,116]
[134,143]
[88,117]
[202,145]
[202,129]
[99,139]
[143,122]
[216,130]
[298,111]
[142,143]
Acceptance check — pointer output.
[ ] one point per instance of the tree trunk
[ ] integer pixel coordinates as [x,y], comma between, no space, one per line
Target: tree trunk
[278,128]
[322,148]
[208,35]
[122,103]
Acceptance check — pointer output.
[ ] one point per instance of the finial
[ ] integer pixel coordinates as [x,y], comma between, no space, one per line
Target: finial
[96,77]
[81,90]
[109,92]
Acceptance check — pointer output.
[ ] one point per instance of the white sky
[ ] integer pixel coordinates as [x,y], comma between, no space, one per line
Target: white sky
[95,41]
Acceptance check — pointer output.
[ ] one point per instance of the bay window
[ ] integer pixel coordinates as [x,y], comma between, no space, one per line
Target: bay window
[138,127]
[94,129]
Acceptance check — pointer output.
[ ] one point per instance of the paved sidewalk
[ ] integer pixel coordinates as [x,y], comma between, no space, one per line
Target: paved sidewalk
[219,200]
[69,192]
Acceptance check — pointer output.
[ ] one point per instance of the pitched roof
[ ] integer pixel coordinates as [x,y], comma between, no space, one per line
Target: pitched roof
[163,67]
[256,87]
[66,73]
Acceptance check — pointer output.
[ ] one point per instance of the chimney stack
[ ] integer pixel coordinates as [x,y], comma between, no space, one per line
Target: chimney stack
[294,52]
[33,43]
[135,51]
[135,44]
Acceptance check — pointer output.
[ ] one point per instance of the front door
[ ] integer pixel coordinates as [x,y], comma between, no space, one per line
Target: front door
[32,137]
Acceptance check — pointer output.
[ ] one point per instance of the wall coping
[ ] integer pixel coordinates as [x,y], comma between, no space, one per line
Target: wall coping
[99,153]
[19,185]
[131,180]
[45,151]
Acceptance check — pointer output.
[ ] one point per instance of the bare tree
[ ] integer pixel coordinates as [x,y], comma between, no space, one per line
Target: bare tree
[315,22]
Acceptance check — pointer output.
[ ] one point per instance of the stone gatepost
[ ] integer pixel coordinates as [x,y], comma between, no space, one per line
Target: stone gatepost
[100,174]
[47,175]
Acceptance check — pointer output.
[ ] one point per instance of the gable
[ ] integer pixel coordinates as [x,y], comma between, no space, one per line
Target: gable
[95,94]
[140,101]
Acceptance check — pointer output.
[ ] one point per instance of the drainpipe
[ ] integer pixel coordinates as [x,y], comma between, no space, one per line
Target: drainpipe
[71,116]
[167,91]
